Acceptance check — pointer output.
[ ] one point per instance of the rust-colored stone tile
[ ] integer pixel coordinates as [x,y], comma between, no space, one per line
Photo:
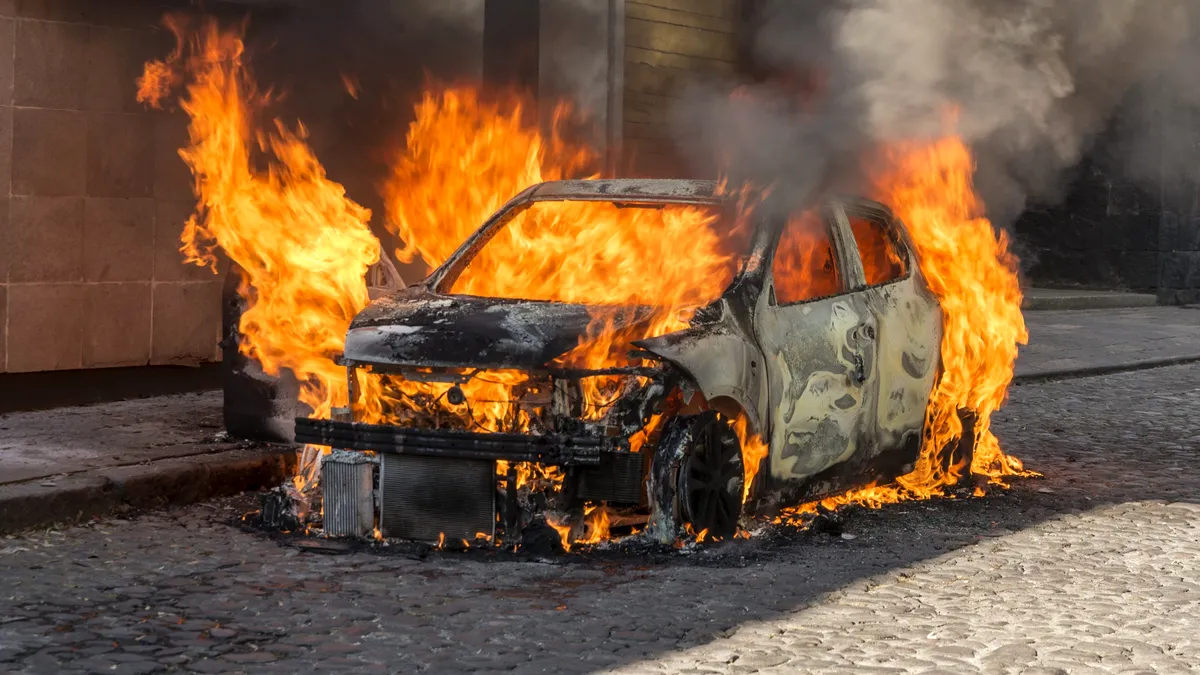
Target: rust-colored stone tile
[169,219]
[48,70]
[172,179]
[115,58]
[187,322]
[3,322]
[45,327]
[6,149]
[117,332]
[6,253]
[118,239]
[49,152]
[8,34]
[45,239]
[120,155]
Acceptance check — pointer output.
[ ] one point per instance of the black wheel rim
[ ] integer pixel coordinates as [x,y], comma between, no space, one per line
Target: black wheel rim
[711,479]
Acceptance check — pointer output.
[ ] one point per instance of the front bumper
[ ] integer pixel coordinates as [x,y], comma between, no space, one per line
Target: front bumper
[443,483]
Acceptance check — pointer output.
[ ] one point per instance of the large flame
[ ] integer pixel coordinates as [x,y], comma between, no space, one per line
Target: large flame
[303,244]
[974,275]
[305,248]
[465,156]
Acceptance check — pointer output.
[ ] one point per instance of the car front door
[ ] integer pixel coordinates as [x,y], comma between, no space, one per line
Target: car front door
[909,325]
[818,337]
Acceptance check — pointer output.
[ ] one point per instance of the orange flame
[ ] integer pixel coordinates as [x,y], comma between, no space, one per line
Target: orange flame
[969,268]
[754,451]
[305,247]
[464,157]
[597,526]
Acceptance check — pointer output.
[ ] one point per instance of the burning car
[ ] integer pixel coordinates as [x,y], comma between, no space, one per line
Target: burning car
[796,359]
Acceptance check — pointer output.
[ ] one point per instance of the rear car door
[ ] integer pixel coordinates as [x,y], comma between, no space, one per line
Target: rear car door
[817,335]
[909,324]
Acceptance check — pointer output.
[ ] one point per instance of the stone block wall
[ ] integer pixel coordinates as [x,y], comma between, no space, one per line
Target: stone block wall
[1105,235]
[1131,218]
[1179,232]
[93,196]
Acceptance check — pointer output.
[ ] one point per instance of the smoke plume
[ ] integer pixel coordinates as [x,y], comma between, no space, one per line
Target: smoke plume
[1028,84]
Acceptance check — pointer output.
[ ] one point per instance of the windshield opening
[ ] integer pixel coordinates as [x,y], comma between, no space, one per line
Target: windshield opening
[608,253]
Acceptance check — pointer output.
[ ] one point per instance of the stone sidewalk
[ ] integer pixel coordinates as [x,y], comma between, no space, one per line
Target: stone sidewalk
[1092,342]
[75,463]
[1079,298]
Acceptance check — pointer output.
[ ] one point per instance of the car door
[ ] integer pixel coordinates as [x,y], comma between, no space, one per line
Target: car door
[817,335]
[909,324]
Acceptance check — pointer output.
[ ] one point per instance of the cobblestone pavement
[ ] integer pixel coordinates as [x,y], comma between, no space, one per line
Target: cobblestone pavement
[1095,568]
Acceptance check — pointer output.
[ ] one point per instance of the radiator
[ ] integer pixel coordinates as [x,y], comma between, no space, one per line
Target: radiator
[423,498]
[347,491]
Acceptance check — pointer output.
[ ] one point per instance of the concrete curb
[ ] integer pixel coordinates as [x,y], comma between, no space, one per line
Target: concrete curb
[1067,301]
[89,494]
[1106,369]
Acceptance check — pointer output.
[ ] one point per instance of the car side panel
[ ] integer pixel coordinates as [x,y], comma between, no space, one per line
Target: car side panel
[817,408]
[910,332]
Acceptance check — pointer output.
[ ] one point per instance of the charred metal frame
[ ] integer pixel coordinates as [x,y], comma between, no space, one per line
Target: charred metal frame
[834,404]
[551,450]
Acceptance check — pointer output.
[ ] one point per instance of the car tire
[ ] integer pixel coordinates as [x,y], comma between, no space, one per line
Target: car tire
[696,478]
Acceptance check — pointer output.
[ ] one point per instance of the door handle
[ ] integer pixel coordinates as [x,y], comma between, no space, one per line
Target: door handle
[859,374]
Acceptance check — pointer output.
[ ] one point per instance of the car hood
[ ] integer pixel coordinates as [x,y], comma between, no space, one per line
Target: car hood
[415,327]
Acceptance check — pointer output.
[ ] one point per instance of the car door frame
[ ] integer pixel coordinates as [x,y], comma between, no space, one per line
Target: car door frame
[820,346]
[909,321]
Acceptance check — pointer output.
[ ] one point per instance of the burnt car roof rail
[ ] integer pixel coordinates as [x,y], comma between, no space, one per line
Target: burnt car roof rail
[659,190]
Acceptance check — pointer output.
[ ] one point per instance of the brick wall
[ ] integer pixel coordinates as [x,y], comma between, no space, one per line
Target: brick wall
[92,196]
[669,43]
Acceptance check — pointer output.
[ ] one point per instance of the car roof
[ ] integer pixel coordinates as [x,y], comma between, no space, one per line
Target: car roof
[632,189]
[668,190]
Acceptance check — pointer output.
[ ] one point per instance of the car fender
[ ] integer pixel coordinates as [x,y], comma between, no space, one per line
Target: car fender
[721,361]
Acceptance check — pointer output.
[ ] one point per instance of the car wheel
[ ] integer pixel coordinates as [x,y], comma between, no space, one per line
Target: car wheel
[696,478]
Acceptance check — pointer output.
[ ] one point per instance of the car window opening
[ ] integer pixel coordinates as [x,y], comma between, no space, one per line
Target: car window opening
[605,253]
[805,266]
[881,261]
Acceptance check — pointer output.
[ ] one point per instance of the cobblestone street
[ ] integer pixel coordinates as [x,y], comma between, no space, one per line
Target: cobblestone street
[1094,568]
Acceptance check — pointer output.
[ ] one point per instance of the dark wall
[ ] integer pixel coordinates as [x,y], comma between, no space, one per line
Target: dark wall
[1104,235]
[1179,232]
[1131,214]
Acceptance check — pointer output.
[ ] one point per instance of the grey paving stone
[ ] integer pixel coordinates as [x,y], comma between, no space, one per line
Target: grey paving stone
[1096,567]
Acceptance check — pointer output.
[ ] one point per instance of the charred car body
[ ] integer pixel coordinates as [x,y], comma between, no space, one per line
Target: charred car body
[825,344]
